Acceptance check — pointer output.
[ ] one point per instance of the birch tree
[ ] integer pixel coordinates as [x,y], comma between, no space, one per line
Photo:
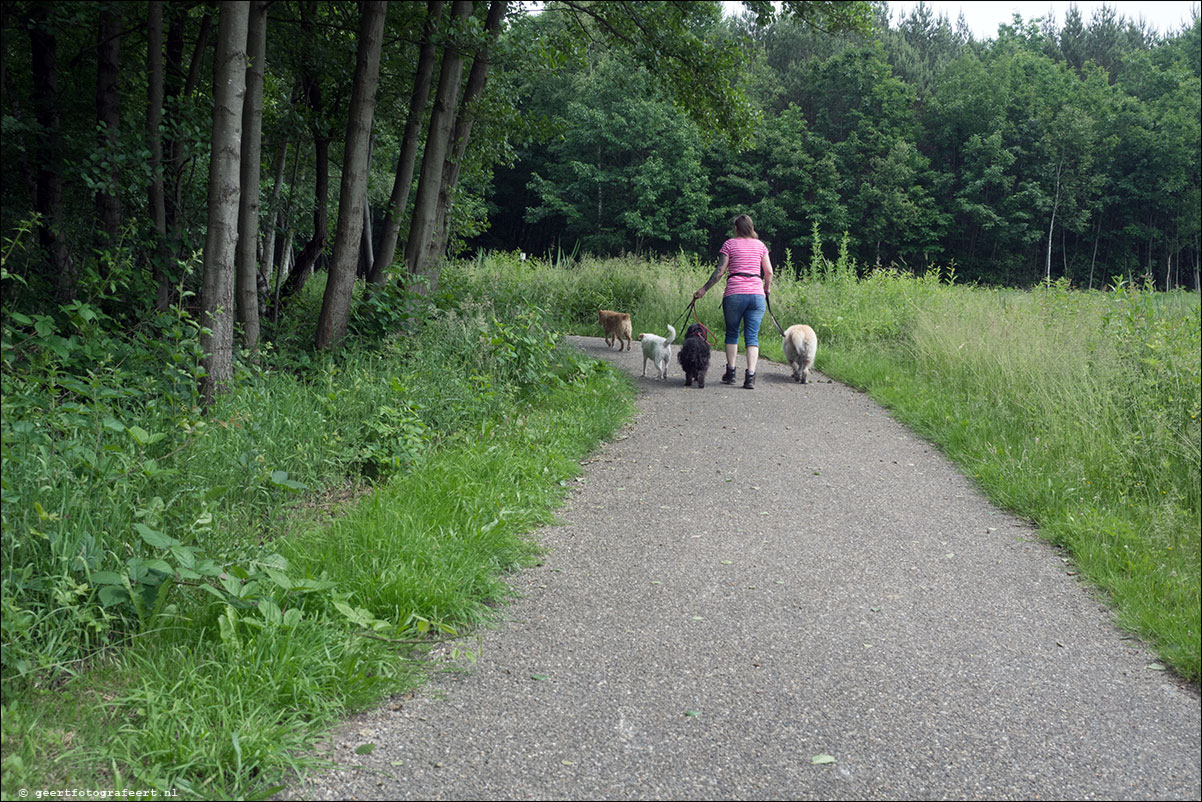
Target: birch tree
[438,140]
[221,239]
[247,284]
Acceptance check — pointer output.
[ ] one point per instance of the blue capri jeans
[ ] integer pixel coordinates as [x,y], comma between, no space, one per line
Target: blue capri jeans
[747,309]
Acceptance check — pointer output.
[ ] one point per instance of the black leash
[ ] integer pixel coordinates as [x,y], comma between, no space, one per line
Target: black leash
[768,303]
[692,307]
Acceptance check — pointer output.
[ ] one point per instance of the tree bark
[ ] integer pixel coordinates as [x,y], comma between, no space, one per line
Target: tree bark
[1052,224]
[438,141]
[274,211]
[463,131]
[336,304]
[247,258]
[154,141]
[48,201]
[311,83]
[408,158]
[307,258]
[366,239]
[179,86]
[108,116]
[217,294]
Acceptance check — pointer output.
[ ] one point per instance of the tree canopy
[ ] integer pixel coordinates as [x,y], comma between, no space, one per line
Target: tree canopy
[1043,152]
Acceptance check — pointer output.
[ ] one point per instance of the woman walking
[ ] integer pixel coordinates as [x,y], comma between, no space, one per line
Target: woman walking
[744,259]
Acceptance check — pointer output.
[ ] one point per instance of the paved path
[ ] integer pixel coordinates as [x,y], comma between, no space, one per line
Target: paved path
[745,580]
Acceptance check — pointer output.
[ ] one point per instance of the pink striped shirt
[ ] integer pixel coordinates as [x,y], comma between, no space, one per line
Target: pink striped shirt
[746,256]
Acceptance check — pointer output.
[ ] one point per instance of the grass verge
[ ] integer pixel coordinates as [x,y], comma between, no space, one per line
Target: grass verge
[219,688]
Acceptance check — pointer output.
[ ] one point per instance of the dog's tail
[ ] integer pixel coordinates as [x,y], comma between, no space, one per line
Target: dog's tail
[671,335]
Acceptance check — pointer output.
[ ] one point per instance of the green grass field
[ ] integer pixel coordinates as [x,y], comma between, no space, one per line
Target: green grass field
[216,590]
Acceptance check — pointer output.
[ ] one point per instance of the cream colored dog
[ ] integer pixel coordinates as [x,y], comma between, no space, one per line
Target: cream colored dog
[658,350]
[616,326]
[800,344]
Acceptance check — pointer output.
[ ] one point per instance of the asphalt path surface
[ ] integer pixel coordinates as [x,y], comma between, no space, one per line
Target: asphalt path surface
[782,593]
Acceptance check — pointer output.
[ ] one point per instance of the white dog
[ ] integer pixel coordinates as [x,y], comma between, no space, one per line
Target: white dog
[658,350]
[800,344]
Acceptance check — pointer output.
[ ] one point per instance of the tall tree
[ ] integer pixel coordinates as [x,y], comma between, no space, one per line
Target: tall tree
[336,304]
[399,199]
[48,150]
[154,140]
[183,143]
[221,239]
[464,120]
[108,115]
[319,127]
[247,284]
[438,141]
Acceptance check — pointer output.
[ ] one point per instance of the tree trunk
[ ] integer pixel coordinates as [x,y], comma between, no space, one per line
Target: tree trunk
[274,213]
[48,149]
[336,305]
[303,267]
[9,89]
[438,140]
[1052,224]
[1094,258]
[281,270]
[463,131]
[247,288]
[408,158]
[108,117]
[217,294]
[180,85]
[311,83]
[366,241]
[154,140]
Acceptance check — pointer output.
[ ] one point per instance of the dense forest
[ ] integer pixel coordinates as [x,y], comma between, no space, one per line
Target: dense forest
[1060,148]
[223,152]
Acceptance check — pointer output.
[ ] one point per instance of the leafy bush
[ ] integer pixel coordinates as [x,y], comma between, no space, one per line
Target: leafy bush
[125,507]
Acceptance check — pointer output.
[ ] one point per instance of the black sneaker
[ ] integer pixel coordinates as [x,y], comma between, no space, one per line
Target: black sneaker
[729,376]
[749,381]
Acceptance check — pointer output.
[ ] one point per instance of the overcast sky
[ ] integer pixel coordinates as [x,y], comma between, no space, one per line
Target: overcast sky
[984,17]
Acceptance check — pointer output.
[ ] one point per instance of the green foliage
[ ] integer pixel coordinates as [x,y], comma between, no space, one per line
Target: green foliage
[1021,158]
[623,172]
[138,533]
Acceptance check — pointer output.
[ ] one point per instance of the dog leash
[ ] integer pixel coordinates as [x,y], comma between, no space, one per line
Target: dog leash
[692,307]
[768,303]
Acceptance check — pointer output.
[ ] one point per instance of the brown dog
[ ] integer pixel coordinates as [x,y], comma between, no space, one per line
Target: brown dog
[800,344]
[616,326]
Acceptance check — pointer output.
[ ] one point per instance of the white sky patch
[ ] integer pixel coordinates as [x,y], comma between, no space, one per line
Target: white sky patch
[984,16]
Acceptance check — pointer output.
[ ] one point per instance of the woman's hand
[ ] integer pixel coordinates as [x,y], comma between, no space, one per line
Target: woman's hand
[697,296]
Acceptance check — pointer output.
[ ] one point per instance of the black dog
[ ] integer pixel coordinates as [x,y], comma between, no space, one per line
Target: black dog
[694,356]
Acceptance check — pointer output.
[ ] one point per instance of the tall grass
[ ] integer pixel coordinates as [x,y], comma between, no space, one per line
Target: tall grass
[215,589]
[1077,410]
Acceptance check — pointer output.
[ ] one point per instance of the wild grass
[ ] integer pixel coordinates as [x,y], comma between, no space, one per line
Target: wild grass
[1076,410]
[219,588]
